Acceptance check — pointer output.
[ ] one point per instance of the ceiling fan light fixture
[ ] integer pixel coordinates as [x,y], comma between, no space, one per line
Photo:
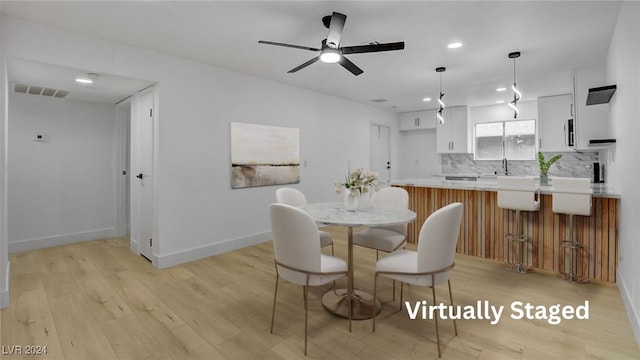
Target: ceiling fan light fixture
[332,51]
[330,56]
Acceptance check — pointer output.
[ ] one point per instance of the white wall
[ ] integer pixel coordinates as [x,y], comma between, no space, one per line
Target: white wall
[623,69]
[4,260]
[419,158]
[198,214]
[61,190]
[502,112]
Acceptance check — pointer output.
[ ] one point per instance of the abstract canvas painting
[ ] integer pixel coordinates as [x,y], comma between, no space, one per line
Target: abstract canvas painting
[264,155]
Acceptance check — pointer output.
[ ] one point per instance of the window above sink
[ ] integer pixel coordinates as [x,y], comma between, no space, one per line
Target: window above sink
[513,140]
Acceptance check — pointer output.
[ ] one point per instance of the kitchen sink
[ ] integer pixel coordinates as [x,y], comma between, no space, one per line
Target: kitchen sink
[461,178]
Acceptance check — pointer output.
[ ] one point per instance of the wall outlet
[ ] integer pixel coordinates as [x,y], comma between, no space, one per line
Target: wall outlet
[39,137]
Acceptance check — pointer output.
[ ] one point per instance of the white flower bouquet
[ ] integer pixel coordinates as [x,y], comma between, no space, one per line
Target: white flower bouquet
[357,182]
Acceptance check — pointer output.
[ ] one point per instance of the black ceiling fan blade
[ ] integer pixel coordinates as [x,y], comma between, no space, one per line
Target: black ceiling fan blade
[304,65]
[347,64]
[335,29]
[373,48]
[287,45]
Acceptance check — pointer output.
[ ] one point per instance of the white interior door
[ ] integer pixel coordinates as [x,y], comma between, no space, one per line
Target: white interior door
[143,175]
[380,154]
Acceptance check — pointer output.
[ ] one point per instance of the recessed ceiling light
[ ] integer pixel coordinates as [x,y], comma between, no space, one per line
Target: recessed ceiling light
[83,80]
[426,99]
[454,45]
[501,89]
[499,101]
[89,78]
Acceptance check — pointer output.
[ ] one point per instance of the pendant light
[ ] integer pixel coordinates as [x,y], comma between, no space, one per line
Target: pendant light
[440,102]
[516,94]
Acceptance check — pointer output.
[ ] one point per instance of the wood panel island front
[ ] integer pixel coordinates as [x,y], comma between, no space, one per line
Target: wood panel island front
[484,226]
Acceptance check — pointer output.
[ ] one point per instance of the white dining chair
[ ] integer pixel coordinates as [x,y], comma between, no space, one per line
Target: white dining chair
[295,197]
[296,245]
[431,265]
[385,238]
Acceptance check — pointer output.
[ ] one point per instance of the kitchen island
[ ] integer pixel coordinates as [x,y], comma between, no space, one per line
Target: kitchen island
[484,225]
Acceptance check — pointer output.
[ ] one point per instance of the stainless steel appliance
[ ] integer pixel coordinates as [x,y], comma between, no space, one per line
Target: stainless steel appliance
[569,133]
[598,173]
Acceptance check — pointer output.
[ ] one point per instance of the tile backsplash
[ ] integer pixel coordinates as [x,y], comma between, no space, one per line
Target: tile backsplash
[572,164]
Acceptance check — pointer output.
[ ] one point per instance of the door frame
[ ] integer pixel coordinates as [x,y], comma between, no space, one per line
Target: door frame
[123,151]
[376,127]
[133,204]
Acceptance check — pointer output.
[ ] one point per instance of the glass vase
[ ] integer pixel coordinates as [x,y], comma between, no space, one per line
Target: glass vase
[544,179]
[351,200]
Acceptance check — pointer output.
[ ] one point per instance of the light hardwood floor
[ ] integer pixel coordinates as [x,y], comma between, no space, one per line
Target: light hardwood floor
[97,300]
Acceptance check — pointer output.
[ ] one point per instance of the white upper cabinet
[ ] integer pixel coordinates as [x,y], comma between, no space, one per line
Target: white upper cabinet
[556,123]
[418,120]
[453,135]
[592,120]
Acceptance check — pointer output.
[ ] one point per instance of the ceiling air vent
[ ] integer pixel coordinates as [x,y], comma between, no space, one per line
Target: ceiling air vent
[40,90]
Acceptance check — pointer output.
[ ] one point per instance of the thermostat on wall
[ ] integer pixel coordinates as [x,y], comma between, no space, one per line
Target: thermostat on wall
[38,137]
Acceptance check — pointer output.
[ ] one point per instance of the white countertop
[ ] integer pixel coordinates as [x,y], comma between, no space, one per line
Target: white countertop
[599,190]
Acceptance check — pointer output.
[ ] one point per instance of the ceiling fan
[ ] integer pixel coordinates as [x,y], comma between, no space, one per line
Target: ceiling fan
[331,52]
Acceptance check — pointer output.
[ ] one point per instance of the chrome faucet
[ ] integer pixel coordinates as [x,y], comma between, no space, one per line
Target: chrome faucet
[505,166]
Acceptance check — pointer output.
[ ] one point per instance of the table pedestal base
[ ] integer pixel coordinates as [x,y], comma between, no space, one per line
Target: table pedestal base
[337,302]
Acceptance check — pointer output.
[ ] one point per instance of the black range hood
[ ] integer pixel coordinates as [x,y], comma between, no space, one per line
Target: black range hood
[594,142]
[600,95]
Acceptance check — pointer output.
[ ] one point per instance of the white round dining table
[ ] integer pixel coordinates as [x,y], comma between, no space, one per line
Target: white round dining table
[342,301]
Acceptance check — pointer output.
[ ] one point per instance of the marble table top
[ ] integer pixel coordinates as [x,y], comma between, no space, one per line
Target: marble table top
[333,213]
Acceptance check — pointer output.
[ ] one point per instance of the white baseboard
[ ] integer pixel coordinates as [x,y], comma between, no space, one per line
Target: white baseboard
[4,293]
[133,246]
[45,242]
[633,313]
[202,252]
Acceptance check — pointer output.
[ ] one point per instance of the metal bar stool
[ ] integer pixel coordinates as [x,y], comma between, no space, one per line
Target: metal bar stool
[572,196]
[519,194]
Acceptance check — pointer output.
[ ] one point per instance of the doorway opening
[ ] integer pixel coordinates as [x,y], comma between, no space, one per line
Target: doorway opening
[380,151]
[69,161]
